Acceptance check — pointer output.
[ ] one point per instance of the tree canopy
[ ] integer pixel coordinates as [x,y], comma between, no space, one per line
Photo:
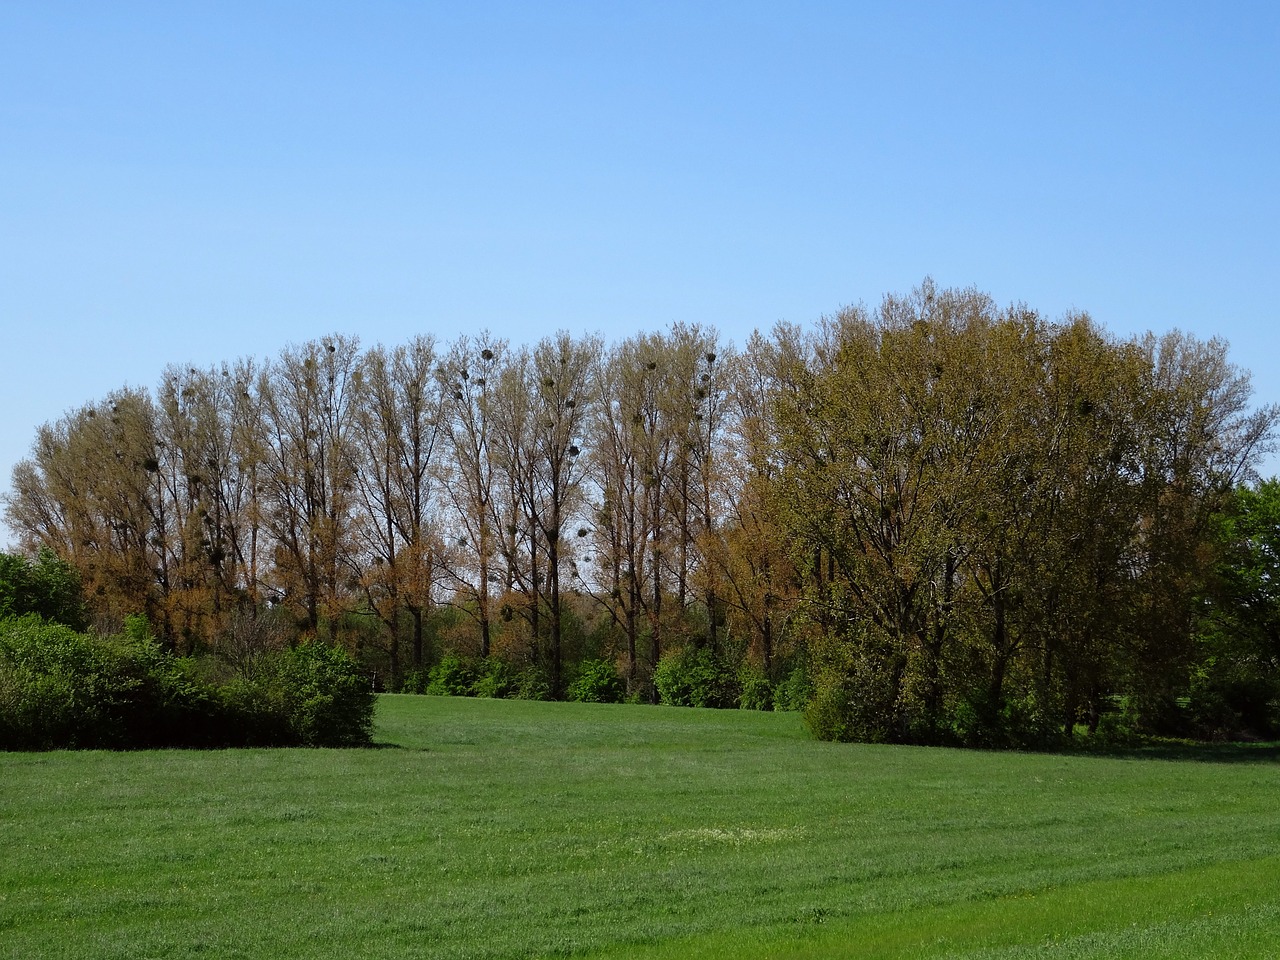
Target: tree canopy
[966,523]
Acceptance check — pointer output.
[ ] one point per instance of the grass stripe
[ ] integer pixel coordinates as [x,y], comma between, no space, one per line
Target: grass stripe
[1217,911]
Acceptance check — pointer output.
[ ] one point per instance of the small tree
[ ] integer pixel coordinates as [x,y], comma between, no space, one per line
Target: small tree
[48,587]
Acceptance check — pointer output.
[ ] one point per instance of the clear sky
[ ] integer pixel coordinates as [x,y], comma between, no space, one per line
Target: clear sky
[195,182]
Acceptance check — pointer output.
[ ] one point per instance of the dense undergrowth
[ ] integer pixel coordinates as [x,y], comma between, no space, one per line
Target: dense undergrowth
[62,688]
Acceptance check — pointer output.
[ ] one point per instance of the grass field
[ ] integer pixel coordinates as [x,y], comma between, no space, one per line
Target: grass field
[486,828]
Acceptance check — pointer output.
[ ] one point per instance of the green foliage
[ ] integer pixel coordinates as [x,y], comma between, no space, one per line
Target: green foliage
[829,716]
[855,692]
[597,682]
[168,703]
[1016,723]
[532,683]
[47,587]
[57,688]
[494,679]
[1227,703]
[453,676]
[695,677]
[63,689]
[489,677]
[328,700]
[415,681]
[792,693]
[1119,726]
[756,693]
[60,688]
[1235,688]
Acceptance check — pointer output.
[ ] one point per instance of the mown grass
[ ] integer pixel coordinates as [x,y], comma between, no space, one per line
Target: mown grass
[510,829]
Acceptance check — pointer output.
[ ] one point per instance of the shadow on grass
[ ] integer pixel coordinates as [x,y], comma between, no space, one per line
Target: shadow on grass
[1180,750]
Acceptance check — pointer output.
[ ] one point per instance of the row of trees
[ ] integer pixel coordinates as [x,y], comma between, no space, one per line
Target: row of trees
[502,480]
[969,520]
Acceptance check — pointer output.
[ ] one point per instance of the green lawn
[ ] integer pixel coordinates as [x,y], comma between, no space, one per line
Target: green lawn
[489,828]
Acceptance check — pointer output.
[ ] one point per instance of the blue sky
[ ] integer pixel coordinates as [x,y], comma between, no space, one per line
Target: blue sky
[195,182]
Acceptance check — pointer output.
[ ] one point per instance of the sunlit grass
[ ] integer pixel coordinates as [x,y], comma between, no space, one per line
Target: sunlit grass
[509,829]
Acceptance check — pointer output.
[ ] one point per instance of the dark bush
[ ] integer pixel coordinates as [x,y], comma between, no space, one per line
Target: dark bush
[794,690]
[695,677]
[494,679]
[57,688]
[166,702]
[453,676]
[597,682]
[756,693]
[1015,723]
[1231,705]
[63,689]
[328,700]
[532,683]
[256,711]
[415,681]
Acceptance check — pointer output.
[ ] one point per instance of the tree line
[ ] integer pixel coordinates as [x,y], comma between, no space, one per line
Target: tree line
[963,522]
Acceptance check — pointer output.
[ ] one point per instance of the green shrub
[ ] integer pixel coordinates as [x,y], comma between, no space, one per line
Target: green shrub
[451,677]
[1120,726]
[597,682]
[1018,722]
[695,677]
[167,703]
[756,691]
[60,689]
[57,688]
[256,710]
[853,699]
[63,689]
[328,700]
[494,679]
[828,712]
[532,683]
[48,587]
[415,681]
[1229,705]
[793,692]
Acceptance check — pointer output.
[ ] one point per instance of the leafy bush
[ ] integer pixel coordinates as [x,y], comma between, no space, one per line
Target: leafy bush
[415,681]
[829,715]
[1019,722]
[695,677]
[494,679]
[793,692]
[1119,727]
[1230,704]
[57,688]
[64,689]
[47,586]
[167,703]
[451,677]
[756,691]
[597,682]
[853,696]
[328,700]
[532,684]
[256,710]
